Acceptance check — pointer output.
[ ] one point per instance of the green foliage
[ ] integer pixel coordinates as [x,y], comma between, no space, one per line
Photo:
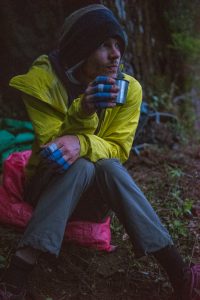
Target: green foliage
[116,226]
[159,97]
[178,207]
[175,210]
[187,116]
[175,173]
[187,45]
[179,211]
[182,15]
[182,18]
[187,206]
[178,228]
[182,21]
[179,131]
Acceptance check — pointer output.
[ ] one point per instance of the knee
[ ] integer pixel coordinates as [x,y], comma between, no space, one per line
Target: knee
[109,166]
[84,166]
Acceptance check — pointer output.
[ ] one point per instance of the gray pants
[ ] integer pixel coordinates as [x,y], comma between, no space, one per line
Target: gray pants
[82,191]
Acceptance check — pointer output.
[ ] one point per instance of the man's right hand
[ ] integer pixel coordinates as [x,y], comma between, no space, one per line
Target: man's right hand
[101,93]
[60,153]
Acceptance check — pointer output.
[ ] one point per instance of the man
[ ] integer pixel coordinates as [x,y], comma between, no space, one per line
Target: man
[82,139]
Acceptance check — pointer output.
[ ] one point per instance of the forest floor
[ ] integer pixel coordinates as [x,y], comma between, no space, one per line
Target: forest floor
[170,178]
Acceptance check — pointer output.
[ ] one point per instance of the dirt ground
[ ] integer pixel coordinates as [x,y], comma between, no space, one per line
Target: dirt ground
[171,180]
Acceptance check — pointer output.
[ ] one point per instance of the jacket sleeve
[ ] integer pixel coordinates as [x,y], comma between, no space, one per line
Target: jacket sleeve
[77,122]
[45,122]
[46,100]
[49,123]
[117,138]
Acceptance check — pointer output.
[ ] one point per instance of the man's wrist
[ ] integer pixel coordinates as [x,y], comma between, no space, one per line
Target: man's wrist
[85,111]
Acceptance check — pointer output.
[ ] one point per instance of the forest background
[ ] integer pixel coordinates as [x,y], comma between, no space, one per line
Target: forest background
[164,55]
[163,50]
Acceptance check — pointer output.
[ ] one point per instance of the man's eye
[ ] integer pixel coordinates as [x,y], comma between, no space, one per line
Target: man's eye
[104,45]
[107,45]
[117,45]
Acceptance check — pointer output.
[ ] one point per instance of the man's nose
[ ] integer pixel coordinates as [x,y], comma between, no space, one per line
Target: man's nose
[115,52]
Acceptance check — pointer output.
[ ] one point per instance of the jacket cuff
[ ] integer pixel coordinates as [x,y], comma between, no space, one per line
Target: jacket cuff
[83,145]
[77,108]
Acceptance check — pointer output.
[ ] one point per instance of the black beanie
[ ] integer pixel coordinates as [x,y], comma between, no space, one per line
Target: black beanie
[85,30]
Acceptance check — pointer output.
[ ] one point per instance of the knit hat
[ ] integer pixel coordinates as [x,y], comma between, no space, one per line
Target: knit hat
[84,31]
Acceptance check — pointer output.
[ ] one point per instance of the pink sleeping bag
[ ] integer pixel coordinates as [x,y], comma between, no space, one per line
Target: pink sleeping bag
[15,211]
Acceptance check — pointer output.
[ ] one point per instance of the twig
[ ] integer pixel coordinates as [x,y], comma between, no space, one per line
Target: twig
[193,249]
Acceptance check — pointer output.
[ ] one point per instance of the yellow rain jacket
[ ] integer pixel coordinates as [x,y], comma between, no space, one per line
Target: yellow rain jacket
[46,100]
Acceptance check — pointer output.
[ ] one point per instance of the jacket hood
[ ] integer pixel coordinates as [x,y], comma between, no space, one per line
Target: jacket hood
[86,29]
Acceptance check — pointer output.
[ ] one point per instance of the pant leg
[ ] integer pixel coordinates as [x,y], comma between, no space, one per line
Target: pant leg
[132,208]
[91,207]
[57,199]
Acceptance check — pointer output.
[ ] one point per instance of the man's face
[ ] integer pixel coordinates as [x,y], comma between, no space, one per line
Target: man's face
[103,61]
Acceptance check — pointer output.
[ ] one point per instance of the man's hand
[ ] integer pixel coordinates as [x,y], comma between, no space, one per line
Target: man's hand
[101,93]
[61,152]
